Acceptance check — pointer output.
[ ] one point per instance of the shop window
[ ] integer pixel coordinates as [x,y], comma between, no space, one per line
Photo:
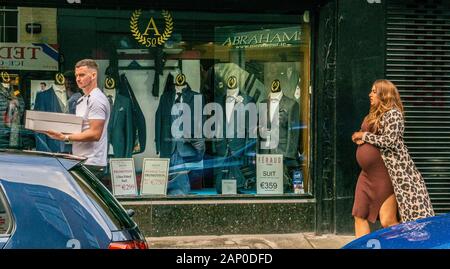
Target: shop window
[8,24]
[246,70]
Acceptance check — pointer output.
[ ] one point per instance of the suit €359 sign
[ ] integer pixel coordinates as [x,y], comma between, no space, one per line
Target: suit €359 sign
[269,174]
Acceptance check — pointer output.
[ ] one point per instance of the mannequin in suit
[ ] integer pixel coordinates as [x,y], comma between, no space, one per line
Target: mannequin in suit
[234,148]
[179,150]
[288,128]
[121,124]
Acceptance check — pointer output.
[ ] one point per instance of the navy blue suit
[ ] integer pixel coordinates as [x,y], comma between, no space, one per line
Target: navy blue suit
[181,150]
[191,150]
[139,126]
[121,127]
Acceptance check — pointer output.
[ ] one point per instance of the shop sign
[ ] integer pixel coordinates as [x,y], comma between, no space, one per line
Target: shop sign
[265,38]
[152,36]
[123,176]
[155,174]
[28,56]
[269,174]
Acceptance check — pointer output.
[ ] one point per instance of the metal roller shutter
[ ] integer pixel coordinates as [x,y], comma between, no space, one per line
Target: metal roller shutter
[418,62]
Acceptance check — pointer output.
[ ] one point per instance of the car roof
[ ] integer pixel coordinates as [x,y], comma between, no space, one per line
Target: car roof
[37,168]
[39,157]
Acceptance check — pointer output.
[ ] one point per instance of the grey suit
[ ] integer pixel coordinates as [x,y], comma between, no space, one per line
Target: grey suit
[235,146]
[289,129]
[231,153]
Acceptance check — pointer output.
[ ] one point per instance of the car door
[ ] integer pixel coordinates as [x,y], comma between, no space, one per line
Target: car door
[48,217]
[5,220]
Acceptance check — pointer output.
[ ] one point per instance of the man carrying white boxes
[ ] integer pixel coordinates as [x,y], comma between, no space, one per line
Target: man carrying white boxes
[94,110]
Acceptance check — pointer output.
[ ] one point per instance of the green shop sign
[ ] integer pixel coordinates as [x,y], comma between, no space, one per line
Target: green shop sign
[265,38]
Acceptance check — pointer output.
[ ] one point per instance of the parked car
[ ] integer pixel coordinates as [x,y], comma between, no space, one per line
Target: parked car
[426,233]
[53,201]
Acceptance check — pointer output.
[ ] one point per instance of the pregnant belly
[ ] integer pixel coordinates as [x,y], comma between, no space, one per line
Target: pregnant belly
[368,155]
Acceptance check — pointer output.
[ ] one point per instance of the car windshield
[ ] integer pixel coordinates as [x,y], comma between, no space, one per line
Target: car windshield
[103,200]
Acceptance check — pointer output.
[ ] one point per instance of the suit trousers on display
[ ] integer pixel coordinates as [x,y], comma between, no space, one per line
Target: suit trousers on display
[179,183]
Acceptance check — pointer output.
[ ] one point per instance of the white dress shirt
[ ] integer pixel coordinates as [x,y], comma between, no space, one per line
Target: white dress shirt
[230,102]
[275,99]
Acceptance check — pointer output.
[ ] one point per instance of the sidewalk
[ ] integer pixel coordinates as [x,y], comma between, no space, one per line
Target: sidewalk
[264,241]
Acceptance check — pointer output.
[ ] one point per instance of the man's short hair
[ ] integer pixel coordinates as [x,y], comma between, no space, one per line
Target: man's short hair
[43,83]
[88,63]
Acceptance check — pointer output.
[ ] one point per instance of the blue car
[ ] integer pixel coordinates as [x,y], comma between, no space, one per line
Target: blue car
[427,233]
[53,201]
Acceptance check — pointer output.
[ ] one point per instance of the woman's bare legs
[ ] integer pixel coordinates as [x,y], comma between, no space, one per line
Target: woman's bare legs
[361,227]
[388,212]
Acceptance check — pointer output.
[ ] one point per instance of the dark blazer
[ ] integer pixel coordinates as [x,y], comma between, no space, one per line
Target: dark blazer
[47,101]
[121,127]
[190,149]
[289,128]
[139,131]
[237,146]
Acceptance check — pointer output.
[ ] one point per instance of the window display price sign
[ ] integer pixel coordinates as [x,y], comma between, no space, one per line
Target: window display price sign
[123,177]
[155,174]
[269,174]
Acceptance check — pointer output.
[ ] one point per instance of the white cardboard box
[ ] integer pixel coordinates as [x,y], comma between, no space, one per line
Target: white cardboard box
[59,122]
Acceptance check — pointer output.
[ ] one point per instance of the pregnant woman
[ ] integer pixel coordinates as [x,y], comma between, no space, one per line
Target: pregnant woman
[374,193]
[382,136]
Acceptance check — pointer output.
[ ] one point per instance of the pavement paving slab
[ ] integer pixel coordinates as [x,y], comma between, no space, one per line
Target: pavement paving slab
[261,241]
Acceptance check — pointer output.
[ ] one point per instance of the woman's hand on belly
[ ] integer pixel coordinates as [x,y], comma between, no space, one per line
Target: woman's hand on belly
[357,137]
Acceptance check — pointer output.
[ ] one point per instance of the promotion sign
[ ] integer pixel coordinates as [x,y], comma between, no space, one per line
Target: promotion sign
[123,176]
[269,174]
[28,56]
[155,174]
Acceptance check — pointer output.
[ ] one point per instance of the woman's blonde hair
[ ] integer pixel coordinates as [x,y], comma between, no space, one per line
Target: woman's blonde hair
[389,99]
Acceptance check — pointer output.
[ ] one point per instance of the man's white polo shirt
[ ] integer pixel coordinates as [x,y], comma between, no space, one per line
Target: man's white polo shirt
[94,106]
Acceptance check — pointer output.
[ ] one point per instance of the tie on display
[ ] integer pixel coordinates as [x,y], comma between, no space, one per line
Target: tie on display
[178,99]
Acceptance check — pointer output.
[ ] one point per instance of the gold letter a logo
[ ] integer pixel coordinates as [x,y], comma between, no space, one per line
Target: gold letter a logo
[152,26]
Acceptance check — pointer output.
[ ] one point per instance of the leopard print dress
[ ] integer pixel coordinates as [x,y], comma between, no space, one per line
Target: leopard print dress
[409,187]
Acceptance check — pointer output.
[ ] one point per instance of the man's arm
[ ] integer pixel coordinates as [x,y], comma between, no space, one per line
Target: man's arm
[94,133]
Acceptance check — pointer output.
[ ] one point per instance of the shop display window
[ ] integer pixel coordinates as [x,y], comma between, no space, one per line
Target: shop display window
[224,98]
